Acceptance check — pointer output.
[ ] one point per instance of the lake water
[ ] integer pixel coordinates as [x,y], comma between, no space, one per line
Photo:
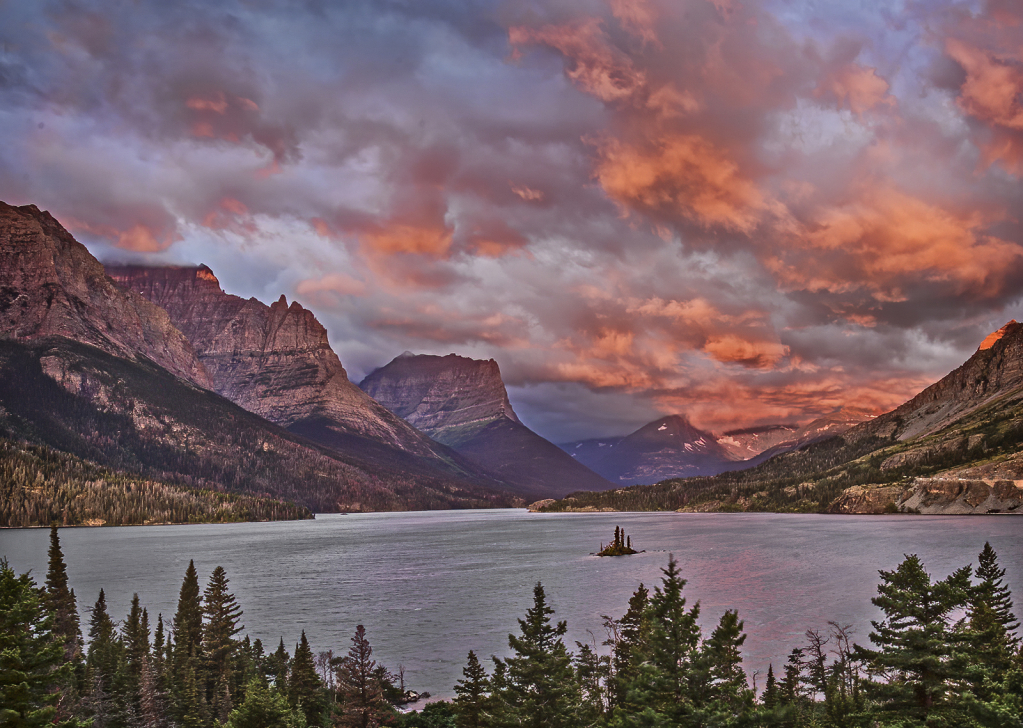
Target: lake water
[430,586]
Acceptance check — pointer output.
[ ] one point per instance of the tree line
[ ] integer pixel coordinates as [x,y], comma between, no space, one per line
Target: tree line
[945,653]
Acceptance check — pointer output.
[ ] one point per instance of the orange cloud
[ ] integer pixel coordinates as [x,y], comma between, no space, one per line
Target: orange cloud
[401,238]
[596,67]
[731,349]
[340,283]
[637,16]
[217,104]
[888,239]
[680,174]
[857,87]
[993,85]
[526,193]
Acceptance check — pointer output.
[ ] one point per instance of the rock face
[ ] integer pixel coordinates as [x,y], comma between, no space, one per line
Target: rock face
[272,360]
[463,403]
[995,370]
[50,285]
[934,496]
[670,447]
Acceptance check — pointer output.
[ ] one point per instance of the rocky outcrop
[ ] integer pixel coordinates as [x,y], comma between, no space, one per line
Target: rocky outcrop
[272,360]
[670,447]
[50,285]
[934,496]
[463,403]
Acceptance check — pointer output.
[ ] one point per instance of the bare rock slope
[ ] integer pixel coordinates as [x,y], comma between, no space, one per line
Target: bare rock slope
[463,403]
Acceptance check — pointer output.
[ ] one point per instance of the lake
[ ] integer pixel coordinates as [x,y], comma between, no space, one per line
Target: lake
[430,586]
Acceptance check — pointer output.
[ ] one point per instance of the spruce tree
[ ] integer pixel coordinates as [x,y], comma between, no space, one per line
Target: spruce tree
[995,594]
[678,680]
[473,702]
[264,707]
[184,671]
[108,701]
[305,689]
[542,689]
[60,601]
[730,699]
[772,695]
[359,685]
[221,614]
[135,636]
[916,646]
[32,657]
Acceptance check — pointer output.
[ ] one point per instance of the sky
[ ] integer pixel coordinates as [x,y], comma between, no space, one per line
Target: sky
[744,212]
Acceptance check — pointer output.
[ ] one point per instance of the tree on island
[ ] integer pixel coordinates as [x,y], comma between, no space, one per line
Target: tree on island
[620,546]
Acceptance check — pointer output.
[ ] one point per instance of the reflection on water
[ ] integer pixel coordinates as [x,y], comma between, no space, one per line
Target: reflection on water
[431,586]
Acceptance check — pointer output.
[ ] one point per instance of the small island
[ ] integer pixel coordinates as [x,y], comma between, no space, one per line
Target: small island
[621,546]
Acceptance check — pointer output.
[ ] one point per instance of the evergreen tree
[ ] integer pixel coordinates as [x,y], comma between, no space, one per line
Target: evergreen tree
[772,694]
[221,615]
[360,689]
[152,699]
[473,704]
[32,655]
[730,699]
[992,592]
[185,674]
[277,666]
[305,689]
[265,707]
[135,636]
[542,691]
[916,646]
[59,600]
[679,680]
[628,635]
[108,702]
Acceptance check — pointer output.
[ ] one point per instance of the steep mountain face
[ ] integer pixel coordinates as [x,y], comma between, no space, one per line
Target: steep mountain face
[994,371]
[670,447]
[463,403]
[50,285]
[272,360]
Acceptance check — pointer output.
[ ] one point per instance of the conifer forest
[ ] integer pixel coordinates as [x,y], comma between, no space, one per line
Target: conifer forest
[945,653]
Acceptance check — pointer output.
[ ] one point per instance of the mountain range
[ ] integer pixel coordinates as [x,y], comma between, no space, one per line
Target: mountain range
[953,448]
[157,372]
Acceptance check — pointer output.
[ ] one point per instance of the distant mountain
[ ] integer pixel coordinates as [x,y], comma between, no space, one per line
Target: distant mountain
[957,447]
[94,370]
[670,447]
[463,403]
[275,361]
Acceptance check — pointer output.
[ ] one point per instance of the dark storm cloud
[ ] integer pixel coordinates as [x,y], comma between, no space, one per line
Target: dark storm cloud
[749,212]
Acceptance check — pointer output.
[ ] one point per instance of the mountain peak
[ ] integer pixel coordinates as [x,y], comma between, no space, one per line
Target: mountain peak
[995,336]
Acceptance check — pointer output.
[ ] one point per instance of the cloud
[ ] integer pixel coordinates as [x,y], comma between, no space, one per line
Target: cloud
[743,211]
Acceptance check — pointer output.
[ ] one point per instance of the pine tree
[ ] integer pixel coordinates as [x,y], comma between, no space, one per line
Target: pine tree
[277,666]
[184,672]
[678,681]
[305,690]
[474,705]
[59,600]
[542,690]
[917,645]
[135,636]
[772,695]
[360,690]
[730,699]
[995,594]
[221,613]
[264,707]
[32,660]
[108,702]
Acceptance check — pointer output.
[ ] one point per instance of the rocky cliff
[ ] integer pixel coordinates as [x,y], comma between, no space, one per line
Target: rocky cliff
[463,403]
[993,371]
[50,285]
[272,360]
